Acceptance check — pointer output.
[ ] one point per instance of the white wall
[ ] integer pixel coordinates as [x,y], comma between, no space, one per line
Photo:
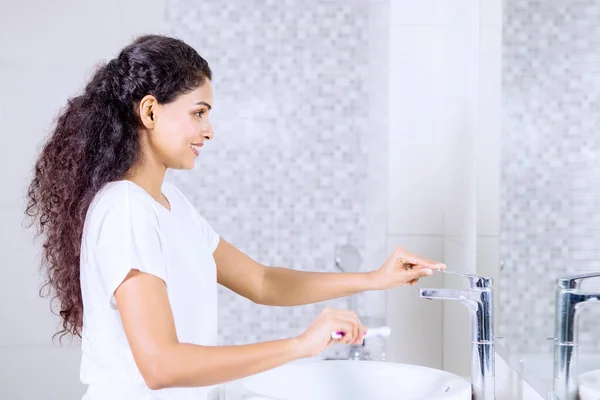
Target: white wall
[47,51]
[415,213]
[488,143]
[443,165]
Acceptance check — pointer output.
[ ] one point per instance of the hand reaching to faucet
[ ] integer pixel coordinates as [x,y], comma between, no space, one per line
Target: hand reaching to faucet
[404,267]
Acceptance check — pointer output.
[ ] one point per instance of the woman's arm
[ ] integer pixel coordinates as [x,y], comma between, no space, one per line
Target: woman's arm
[238,272]
[163,361]
[286,287]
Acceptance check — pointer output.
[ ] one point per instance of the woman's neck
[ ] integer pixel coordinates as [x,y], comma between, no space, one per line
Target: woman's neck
[149,175]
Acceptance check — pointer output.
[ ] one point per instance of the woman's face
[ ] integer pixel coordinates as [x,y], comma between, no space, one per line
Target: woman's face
[181,127]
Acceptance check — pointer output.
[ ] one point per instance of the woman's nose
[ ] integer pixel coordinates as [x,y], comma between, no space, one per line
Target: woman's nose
[207,132]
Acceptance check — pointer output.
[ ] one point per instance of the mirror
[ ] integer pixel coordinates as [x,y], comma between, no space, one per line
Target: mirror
[550,175]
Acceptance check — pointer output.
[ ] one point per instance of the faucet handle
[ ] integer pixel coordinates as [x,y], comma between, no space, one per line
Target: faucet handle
[574,281]
[475,281]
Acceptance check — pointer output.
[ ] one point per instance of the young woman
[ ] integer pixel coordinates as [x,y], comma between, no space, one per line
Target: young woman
[133,264]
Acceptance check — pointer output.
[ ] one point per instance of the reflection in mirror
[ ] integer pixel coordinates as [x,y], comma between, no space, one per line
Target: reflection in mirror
[550,183]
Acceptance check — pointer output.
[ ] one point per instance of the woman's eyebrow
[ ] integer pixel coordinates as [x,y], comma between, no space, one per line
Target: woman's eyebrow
[203,103]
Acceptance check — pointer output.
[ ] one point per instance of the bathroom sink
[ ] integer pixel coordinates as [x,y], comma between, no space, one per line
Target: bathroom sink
[589,385]
[350,380]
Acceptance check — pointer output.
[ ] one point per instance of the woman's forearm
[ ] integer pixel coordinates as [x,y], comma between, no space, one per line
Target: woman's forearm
[189,365]
[287,287]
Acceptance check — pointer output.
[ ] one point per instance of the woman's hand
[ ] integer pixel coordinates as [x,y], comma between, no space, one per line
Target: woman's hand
[318,336]
[402,268]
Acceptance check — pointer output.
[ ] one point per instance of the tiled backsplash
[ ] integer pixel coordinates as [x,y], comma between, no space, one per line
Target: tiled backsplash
[550,205]
[287,176]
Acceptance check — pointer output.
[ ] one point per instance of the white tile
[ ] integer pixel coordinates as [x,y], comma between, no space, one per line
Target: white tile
[459,257]
[488,256]
[30,99]
[489,133]
[491,12]
[488,192]
[40,372]
[31,322]
[60,32]
[416,323]
[457,339]
[415,115]
[460,197]
[423,12]
[459,12]
[461,52]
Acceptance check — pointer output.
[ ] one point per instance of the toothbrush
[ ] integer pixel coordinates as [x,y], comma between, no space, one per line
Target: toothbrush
[383,331]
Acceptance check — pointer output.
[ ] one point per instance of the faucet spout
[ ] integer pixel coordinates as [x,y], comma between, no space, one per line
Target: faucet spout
[444,294]
[570,299]
[479,300]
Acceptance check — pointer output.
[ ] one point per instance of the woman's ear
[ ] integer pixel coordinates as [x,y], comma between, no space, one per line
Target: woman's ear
[147,111]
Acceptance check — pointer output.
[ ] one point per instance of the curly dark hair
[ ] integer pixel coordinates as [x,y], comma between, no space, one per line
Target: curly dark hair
[95,141]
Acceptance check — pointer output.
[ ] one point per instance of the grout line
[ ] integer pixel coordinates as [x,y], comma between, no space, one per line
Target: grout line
[423,235]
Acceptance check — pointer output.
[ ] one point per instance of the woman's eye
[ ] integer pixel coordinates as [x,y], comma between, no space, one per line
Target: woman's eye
[200,113]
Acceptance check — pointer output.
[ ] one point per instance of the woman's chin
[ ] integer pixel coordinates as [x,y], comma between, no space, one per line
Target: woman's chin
[185,165]
[189,166]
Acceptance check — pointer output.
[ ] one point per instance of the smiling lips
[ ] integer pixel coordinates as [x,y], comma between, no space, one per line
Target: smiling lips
[196,148]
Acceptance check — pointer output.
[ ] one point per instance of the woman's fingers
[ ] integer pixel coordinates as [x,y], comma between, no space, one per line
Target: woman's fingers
[344,326]
[416,273]
[350,324]
[414,260]
[356,326]
[348,328]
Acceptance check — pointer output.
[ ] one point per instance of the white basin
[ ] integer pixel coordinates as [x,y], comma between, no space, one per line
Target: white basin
[589,385]
[350,380]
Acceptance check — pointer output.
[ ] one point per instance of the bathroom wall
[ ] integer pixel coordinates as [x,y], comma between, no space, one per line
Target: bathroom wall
[298,163]
[296,166]
[550,165]
[318,142]
[444,165]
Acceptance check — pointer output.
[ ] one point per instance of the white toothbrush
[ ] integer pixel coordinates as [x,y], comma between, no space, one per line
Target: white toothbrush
[383,331]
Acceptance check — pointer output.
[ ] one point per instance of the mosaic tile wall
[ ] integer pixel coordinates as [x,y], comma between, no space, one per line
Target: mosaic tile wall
[550,206]
[286,177]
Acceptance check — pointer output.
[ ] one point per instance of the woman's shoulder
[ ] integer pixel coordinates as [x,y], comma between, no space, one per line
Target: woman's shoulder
[122,195]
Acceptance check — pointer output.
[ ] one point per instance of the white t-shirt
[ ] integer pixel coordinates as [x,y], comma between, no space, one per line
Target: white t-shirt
[125,228]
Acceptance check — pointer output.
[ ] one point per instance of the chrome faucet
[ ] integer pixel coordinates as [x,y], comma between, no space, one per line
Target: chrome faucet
[569,301]
[479,300]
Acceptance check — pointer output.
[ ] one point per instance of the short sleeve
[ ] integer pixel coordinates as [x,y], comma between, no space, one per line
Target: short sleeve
[210,235]
[129,238]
